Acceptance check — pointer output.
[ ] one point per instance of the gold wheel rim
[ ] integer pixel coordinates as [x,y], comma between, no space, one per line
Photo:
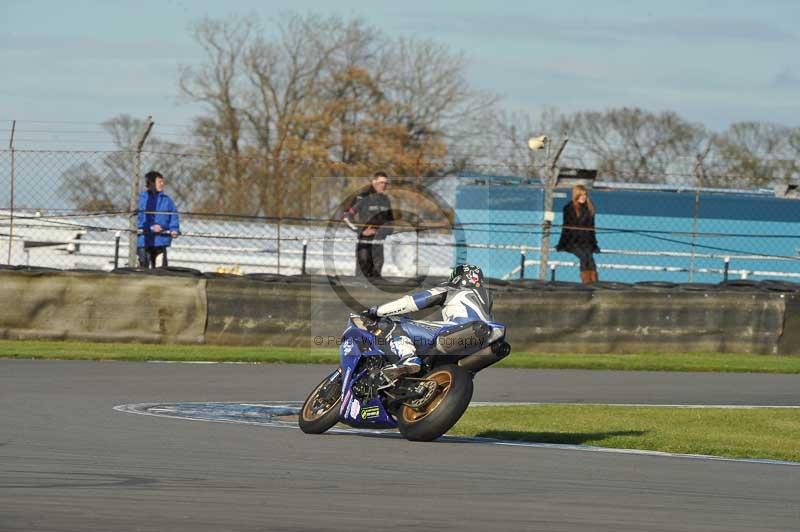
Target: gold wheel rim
[444,381]
[308,411]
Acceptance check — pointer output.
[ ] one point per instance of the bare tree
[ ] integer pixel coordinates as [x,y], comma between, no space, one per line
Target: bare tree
[309,89]
[105,186]
[623,144]
[755,154]
[219,85]
[629,144]
[321,96]
[433,102]
[793,142]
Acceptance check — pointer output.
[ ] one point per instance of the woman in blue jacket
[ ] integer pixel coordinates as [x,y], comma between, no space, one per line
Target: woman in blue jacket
[158,222]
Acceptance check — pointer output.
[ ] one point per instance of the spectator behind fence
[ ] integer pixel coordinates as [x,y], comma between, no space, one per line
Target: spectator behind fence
[578,234]
[158,222]
[370,216]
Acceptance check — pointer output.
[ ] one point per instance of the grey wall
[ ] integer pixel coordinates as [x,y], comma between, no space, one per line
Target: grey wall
[102,307]
[275,311]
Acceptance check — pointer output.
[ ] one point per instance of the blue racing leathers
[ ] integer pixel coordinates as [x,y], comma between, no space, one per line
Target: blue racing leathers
[459,305]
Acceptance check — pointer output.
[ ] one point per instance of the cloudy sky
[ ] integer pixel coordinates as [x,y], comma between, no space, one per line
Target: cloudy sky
[714,62]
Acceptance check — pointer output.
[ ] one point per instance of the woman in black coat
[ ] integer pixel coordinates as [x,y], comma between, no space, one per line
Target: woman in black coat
[578,234]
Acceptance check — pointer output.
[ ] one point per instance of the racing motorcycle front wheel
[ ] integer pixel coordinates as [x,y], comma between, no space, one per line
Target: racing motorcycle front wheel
[452,387]
[321,409]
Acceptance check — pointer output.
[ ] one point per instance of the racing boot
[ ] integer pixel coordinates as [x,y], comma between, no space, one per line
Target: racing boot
[409,362]
[406,366]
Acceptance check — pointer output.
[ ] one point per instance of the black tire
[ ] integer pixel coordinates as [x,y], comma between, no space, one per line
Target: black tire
[443,411]
[320,410]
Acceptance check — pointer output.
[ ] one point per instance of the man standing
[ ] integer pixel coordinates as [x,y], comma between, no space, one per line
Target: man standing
[158,222]
[370,216]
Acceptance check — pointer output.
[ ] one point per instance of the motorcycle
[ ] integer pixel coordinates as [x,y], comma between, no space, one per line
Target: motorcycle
[422,406]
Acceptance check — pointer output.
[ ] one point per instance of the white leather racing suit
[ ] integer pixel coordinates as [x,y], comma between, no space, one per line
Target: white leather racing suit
[459,305]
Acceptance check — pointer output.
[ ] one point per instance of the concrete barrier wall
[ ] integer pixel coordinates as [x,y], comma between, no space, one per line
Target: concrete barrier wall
[557,321]
[287,312]
[275,311]
[636,322]
[102,307]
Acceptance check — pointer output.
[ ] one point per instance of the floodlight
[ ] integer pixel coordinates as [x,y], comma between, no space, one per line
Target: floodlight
[537,143]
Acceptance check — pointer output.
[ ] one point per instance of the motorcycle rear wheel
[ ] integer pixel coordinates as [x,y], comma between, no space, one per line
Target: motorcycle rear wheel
[320,410]
[443,411]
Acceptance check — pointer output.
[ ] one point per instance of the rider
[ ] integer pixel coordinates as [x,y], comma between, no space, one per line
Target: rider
[463,299]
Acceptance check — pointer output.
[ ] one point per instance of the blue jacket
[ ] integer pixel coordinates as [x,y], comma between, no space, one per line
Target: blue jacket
[156,208]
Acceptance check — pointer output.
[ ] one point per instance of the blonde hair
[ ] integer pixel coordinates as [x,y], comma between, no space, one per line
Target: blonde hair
[577,192]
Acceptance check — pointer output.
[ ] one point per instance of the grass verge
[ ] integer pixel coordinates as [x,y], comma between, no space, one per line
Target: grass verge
[69,350]
[701,362]
[767,433]
[173,352]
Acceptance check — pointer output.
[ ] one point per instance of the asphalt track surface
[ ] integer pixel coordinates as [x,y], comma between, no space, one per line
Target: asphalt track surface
[70,462]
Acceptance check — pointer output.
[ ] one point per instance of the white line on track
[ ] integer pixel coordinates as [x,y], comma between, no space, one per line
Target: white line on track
[172,411]
[637,405]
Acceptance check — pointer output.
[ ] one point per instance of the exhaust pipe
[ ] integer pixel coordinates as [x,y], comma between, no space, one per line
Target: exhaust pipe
[485,357]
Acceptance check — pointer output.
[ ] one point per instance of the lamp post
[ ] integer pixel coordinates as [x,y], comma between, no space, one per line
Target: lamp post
[549,180]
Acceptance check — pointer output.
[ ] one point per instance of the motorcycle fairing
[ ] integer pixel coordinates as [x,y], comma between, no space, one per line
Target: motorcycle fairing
[371,413]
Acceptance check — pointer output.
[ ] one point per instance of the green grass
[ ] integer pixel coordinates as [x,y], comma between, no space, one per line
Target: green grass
[771,433]
[717,362]
[69,350]
[143,352]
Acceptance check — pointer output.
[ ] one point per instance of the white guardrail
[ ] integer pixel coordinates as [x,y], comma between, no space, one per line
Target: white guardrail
[67,244]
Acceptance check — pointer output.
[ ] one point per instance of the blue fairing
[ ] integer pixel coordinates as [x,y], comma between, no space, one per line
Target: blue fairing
[371,413]
[358,343]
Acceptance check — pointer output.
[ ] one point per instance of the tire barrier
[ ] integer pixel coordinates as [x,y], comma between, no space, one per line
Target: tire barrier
[188,306]
[96,306]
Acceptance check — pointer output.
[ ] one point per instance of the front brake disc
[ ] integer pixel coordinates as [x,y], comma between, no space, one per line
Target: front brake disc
[430,388]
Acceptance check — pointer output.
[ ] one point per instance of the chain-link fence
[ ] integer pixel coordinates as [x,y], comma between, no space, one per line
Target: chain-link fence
[71,210]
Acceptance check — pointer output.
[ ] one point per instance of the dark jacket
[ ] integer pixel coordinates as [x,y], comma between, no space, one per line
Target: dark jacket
[371,208]
[156,208]
[583,238]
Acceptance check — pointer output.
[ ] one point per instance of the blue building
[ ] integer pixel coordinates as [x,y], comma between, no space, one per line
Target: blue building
[646,233]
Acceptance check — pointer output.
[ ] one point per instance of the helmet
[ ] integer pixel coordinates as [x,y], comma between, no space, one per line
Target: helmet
[466,275]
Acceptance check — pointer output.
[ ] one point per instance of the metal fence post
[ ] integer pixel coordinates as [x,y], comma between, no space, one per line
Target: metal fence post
[416,232]
[700,174]
[135,188]
[279,244]
[11,199]
[117,237]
